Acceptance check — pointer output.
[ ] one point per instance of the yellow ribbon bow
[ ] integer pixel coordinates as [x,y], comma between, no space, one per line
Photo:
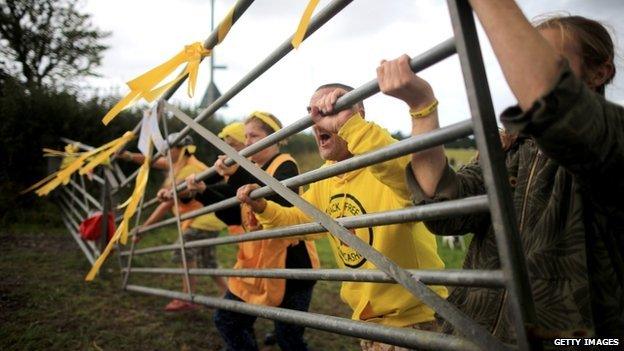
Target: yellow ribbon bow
[303,23]
[144,86]
[121,234]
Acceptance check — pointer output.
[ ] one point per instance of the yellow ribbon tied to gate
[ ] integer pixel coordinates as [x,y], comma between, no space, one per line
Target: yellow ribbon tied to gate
[104,155]
[144,86]
[71,153]
[73,161]
[303,23]
[39,183]
[225,25]
[121,234]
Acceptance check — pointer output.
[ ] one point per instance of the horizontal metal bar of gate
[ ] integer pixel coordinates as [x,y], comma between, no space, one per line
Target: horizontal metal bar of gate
[71,198]
[418,63]
[73,226]
[78,240]
[86,194]
[405,337]
[401,148]
[71,210]
[469,205]
[67,216]
[323,16]
[453,277]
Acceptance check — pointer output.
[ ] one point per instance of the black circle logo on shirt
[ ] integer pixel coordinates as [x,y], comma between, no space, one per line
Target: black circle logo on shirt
[346,205]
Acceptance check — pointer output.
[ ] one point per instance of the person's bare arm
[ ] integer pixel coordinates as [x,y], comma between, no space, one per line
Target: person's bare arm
[138,158]
[242,194]
[397,79]
[530,65]
[159,212]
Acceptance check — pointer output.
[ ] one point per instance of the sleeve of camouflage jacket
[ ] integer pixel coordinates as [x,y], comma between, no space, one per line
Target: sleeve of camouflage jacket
[579,129]
[467,181]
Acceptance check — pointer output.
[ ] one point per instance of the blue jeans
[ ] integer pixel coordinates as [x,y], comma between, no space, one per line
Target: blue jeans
[237,331]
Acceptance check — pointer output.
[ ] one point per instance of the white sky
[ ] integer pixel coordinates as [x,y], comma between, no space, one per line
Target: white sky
[347,50]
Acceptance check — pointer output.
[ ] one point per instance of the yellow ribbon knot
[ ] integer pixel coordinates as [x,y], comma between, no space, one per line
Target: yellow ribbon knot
[144,86]
[196,52]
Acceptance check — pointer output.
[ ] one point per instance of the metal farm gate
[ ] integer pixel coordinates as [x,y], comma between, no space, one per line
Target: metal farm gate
[76,202]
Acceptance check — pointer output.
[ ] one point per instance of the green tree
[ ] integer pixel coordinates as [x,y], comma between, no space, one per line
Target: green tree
[47,42]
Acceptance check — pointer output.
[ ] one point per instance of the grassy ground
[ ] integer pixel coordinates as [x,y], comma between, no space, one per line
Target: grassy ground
[458,157]
[45,304]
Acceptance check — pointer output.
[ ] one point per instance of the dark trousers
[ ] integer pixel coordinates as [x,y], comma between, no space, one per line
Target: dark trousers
[237,331]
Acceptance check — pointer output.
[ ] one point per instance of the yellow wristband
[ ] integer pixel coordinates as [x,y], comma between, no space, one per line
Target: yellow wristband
[425,111]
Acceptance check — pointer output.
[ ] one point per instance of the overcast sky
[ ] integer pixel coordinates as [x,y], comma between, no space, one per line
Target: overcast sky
[347,49]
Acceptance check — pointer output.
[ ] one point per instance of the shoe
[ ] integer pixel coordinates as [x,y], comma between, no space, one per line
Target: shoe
[176,305]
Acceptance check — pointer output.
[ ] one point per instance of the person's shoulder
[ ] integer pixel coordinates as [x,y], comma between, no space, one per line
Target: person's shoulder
[288,164]
[286,170]
[197,163]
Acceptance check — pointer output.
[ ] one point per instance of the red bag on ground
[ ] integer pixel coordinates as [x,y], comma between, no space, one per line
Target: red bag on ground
[91,228]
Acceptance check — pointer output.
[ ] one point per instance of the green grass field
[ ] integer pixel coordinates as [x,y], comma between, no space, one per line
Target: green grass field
[45,304]
[458,157]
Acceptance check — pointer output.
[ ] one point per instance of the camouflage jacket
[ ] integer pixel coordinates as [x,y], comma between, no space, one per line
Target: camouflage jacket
[564,171]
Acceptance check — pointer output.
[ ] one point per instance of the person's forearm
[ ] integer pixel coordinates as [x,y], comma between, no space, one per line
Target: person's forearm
[158,213]
[428,165]
[134,157]
[161,163]
[138,158]
[529,63]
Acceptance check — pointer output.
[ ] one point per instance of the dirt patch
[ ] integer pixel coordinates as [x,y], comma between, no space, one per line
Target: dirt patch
[40,241]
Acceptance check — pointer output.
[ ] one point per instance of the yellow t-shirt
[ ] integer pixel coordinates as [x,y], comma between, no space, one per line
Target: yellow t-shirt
[376,188]
[208,222]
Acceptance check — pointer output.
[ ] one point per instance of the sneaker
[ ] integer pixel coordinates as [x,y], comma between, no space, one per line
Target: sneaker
[176,305]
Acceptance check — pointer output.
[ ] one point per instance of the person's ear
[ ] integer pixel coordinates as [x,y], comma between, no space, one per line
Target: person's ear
[599,76]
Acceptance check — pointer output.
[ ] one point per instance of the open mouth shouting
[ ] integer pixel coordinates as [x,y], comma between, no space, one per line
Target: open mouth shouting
[323,138]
